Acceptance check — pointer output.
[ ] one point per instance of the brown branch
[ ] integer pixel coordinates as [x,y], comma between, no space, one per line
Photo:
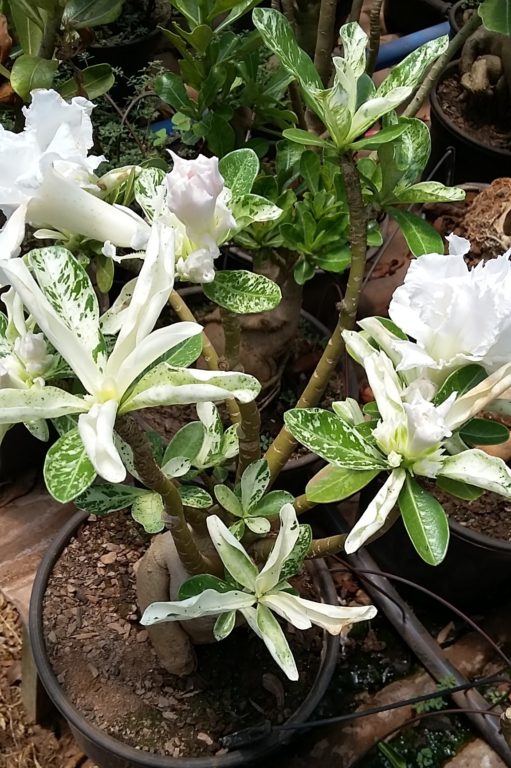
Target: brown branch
[325,39]
[374,35]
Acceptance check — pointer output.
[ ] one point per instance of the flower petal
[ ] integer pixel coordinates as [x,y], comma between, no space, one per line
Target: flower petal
[274,639]
[97,432]
[302,613]
[208,603]
[289,531]
[377,512]
[12,233]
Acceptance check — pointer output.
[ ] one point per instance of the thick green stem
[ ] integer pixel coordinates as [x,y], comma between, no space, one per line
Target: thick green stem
[282,447]
[232,339]
[208,351]
[302,504]
[374,36]
[249,433]
[154,479]
[456,43]
[297,104]
[52,28]
[330,545]
[325,39]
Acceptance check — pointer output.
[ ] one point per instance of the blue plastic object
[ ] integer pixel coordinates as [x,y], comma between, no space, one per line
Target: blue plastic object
[393,52]
[165,124]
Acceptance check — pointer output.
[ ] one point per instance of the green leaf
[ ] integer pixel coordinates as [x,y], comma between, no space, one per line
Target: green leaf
[279,37]
[197,584]
[170,88]
[332,484]
[29,10]
[250,208]
[68,288]
[239,170]
[274,638]
[148,511]
[28,31]
[67,469]
[79,14]
[258,525]
[228,500]
[176,467]
[420,236]
[186,442]
[103,498]
[425,521]
[240,8]
[146,187]
[303,271]
[381,137]
[185,353]
[294,561]
[395,759]
[484,432]
[224,625]
[254,482]
[243,292]
[31,72]
[305,137]
[64,423]
[403,161]
[333,439]
[334,261]
[94,81]
[461,381]
[271,504]
[104,272]
[193,496]
[430,192]
[219,134]
[496,15]
[457,488]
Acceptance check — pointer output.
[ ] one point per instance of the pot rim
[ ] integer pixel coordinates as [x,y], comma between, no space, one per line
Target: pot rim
[260,748]
[449,125]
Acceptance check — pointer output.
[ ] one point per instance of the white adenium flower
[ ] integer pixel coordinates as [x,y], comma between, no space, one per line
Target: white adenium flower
[455,314]
[198,201]
[45,172]
[259,595]
[71,323]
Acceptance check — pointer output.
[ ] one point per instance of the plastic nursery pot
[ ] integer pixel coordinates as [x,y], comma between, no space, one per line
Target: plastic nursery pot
[474,571]
[106,751]
[406,16]
[473,159]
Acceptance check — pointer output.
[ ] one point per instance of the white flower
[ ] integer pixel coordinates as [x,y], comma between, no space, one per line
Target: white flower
[455,314]
[108,380]
[260,594]
[45,171]
[197,200]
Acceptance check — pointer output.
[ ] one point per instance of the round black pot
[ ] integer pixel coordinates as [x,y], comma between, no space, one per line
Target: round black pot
[406,16]
[455,14]
[476,569]
[106,751]
[473,160]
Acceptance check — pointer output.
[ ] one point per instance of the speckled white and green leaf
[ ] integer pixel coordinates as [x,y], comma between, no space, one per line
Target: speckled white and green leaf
[68,288]
[293,563]
[212,436]
[148,511]
[334,440]
[37,403]
[5,346]
[275,640]
[185,353]
[164,385]
[403,161]
[176,466]
[250,208]
[230,442]
[412,69]
[112,320]
[430,192]
[224,625]
[103,498]
[354,41]
[126,455]
[193,496]
[67,469]
[38,428]
[228,500]
[239,170]
[243,292]
[254,482]
[146,189]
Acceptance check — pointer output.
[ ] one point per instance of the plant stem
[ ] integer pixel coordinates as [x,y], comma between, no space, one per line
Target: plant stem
[356,10]
[325,39]
[208,351]
[456,43]
[154,479]
[52,28]
[330,545]
[249,433]
[302,504]
[282,447]
[374,36]
[289,12]
[297,104]
[232,339]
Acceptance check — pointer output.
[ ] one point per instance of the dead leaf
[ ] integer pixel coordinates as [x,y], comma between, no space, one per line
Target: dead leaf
[5,39]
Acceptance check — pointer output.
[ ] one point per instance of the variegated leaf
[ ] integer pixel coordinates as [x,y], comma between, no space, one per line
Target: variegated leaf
[148,510]
[430,192]
[37,403]
[195,497]
[243,292]
[67,469]
[68,288]
[254,482]
[228,500]
[224,625]
[147,189]
[103,498]
[354,41]
[334,440]
[411,70]
[275,640]
[239,170]
[250,208]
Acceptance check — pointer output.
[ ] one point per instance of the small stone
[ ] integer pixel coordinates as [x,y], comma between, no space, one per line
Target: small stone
[205,738]
[109,558]
[168,715]
[142,636]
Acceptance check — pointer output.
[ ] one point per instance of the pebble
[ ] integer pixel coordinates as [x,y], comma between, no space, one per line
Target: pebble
[142,636]
[206,738]
[109,558]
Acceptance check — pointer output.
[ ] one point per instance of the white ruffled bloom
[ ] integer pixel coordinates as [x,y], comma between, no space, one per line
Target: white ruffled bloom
[455,314]
[197,199]
[45,172]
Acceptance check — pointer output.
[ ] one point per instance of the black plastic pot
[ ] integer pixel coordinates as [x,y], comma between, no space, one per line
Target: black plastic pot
[455,11]
[106,751]
[476,569]
[473,160]
[406,16]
